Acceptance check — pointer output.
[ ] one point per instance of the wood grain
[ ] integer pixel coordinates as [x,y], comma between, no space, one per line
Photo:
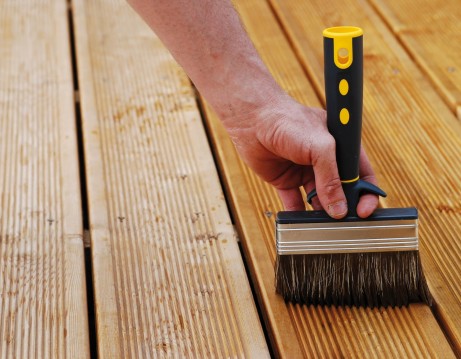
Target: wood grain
[168,273]
[429,31]
[43,311]
[301,331]
[412,137]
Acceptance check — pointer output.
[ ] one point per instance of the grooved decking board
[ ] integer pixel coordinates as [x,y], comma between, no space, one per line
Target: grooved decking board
[413,139]
[168,275]
[43,312]
[430,31]
[302,331]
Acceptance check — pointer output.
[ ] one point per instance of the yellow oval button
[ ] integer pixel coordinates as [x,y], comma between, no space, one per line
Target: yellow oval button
[344,116]
[343,87]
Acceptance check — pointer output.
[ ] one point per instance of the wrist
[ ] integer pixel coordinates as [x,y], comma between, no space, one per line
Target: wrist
[249,107]
[238,87]
[248,94]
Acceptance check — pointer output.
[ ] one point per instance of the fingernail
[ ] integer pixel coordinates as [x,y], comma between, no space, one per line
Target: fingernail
[338,209]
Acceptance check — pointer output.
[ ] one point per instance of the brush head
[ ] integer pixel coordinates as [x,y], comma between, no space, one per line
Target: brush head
[355,262]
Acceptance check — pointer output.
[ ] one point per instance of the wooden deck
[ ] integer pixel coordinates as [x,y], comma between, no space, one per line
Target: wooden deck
[102,133]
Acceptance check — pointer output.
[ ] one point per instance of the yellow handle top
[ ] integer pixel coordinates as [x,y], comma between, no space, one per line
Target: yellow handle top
[342,43]
[342,31]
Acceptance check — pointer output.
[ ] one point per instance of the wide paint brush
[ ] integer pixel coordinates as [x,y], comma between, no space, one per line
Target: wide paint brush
[354,261]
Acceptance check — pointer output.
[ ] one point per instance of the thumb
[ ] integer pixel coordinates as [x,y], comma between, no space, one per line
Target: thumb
[327,181]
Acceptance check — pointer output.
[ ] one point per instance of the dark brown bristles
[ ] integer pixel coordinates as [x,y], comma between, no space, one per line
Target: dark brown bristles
[378,279]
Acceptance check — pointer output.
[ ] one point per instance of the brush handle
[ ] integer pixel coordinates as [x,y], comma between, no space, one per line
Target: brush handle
[343,64]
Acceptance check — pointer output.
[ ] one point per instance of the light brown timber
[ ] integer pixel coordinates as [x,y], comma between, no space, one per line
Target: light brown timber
[169,277]
[43,309]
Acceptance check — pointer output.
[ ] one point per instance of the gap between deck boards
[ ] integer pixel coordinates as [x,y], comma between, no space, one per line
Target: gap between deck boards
[83,191]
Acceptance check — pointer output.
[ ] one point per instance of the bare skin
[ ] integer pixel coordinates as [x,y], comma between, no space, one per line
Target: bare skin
[286,143]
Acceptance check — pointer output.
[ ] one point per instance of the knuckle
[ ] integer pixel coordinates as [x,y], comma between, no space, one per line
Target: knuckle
[328,144]
[332,186]
[323,148]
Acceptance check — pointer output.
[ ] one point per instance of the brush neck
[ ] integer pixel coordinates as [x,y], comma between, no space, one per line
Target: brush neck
[354,190]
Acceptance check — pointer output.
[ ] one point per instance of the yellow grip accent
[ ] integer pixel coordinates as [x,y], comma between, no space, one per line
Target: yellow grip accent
[351,180]
[343,87]
[344,116]
[342,43]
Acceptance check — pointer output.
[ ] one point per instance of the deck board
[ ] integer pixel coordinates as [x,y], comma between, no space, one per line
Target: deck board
[43,310]
[295,330]
[430,30]
[168,274]
[413,138]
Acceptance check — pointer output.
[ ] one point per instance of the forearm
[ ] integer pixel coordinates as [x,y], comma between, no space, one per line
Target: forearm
[285,143]
[208,41]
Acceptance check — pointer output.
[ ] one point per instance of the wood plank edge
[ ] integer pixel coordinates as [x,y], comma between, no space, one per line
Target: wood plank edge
[239,289]
[258,259]
[445,322]
[290,36]
[104,287]
[411,48]
[77,326]
[387,16]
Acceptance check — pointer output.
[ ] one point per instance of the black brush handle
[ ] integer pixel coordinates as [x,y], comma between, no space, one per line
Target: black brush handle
[343,57]
[343,64]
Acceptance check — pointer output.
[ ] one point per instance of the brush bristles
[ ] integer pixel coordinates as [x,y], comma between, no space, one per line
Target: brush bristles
[352,279]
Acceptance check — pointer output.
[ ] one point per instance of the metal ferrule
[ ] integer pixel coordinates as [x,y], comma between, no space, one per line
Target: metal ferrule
[347,237]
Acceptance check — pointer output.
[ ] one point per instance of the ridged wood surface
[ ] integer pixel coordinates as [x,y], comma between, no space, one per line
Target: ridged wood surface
[168,274]
[302,331]
[430,31]
[412,137]
[43,311]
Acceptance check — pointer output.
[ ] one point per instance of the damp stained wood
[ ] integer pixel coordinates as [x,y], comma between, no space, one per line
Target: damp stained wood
[299,330]
[429,31]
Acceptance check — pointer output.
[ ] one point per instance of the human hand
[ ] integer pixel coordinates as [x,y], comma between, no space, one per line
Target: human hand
[288,145]
[284,142]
